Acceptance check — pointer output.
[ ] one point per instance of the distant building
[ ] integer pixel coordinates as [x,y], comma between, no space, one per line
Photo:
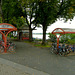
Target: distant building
[23,32]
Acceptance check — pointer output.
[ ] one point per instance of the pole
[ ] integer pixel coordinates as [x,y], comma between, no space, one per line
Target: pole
[57,43]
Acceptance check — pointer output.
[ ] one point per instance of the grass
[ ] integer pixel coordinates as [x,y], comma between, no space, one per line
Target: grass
[38,44]
[43,46]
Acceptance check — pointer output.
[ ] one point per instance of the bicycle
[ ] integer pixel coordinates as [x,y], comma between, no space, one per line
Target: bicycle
[54,48]
[1,49]
[1,46]
[10,47]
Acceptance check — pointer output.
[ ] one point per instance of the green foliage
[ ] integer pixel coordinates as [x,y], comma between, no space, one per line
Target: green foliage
[64,38]
[70,41]
[29,7]
[72,36]
[67,9]
[46,12]
[68,38]
[49,10]
[18,22]
[11,9]
[52,37]
[43,46]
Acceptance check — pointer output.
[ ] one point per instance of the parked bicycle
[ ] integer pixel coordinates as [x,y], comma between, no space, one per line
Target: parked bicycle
[63,49]
[10,46]
[1,46]
[54,48]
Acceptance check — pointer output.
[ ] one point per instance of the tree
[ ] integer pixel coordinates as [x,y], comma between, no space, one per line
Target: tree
[46,15]
[49,10]
[11,9]
[52,37]
[29,7]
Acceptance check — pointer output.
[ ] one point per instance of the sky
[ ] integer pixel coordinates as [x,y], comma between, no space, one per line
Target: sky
[57,24]
[61,24]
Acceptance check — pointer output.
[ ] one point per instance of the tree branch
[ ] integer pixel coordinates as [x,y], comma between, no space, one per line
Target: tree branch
[63,6]
[26,16]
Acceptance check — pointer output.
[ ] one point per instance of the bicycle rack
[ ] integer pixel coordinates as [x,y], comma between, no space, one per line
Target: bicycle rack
[62,31]
[5,29]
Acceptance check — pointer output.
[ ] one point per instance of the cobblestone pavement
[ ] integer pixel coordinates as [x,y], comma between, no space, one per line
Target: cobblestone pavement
[41,59]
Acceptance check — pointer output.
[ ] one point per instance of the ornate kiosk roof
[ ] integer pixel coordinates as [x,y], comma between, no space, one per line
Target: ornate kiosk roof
[7,27]
[63,30]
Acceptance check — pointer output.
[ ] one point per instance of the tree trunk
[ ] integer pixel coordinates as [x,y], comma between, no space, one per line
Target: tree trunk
[44,36]
[30,34]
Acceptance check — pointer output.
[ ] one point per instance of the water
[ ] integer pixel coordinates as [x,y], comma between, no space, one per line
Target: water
[39,36]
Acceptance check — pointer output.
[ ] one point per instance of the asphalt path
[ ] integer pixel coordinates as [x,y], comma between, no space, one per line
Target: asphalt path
[41,59]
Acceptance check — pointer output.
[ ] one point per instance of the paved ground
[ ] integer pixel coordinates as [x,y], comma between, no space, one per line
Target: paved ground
[11,68]
[41,60]
[8,70]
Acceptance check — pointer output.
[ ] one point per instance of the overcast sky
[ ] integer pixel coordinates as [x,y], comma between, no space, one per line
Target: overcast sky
[61,24]
[57,24]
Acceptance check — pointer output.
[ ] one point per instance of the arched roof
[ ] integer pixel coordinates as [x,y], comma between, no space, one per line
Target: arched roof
[6,27]
[63,30]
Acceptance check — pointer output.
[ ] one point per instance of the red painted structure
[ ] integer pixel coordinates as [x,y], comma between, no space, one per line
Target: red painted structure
[5,29]
[25,38]
[61,33]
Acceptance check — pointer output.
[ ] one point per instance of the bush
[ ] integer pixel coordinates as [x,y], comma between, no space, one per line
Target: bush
[70,41]
[52,37]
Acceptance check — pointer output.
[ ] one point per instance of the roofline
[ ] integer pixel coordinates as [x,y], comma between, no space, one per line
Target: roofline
[14,28]
[63,32]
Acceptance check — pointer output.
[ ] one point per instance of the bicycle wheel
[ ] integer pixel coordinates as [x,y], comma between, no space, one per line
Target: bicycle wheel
[1,49]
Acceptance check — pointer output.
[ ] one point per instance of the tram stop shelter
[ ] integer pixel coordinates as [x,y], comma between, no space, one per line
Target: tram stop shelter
[5,29]
[60,31]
